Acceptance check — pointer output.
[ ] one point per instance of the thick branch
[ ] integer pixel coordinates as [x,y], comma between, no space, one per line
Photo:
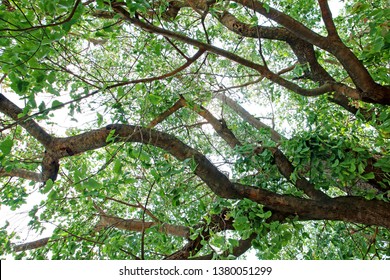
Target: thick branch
[248,30]
[264,71]
[22,173]
[95,139]
[31,245]
[328,20]
[50,166]
[304,52]
[348,209]
[370,91]
[10,109]
[140,226]
[339,209]
[288,22]
[351,209]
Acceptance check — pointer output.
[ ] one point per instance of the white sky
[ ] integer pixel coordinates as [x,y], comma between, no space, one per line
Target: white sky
[335,6]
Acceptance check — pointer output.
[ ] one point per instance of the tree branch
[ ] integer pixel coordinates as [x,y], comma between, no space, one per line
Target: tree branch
[370,90]
[95,139]
[219,183]
[351,209]
[10,109]
[328,20]
[304,52]
[31,245]
[348,208]
[179,104]
[219,125]
[167,75]
[22,173]
[257,67]
[140,226]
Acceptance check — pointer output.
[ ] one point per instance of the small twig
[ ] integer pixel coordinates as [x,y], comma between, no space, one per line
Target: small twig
[154,218]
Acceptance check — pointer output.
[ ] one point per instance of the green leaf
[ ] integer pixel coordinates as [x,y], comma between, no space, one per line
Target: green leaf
[99,119]
[48,186]
[264,215]
[53,195]
[383,163]
[117,167]
[176,200]
[218,241]
[352,167]
[267,214]
[155,174]
[5,42]
[56,104]
[335,163]
[111,136]
[20,86]
[361,167]
[369,176]
[377,45]
[92,184]
[266,7]
[233,5]
[6,146]
[241,223]
[154,99]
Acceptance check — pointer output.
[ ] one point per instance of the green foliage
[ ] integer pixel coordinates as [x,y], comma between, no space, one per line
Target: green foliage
[72,75]
[6,239]
[6,146]
[369,32]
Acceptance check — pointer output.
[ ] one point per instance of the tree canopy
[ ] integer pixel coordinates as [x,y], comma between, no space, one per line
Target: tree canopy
[195,129]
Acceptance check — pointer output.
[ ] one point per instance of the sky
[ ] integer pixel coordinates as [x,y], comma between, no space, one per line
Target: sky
[335,6]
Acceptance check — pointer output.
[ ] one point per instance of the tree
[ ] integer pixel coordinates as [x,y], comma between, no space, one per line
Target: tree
[196,129]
